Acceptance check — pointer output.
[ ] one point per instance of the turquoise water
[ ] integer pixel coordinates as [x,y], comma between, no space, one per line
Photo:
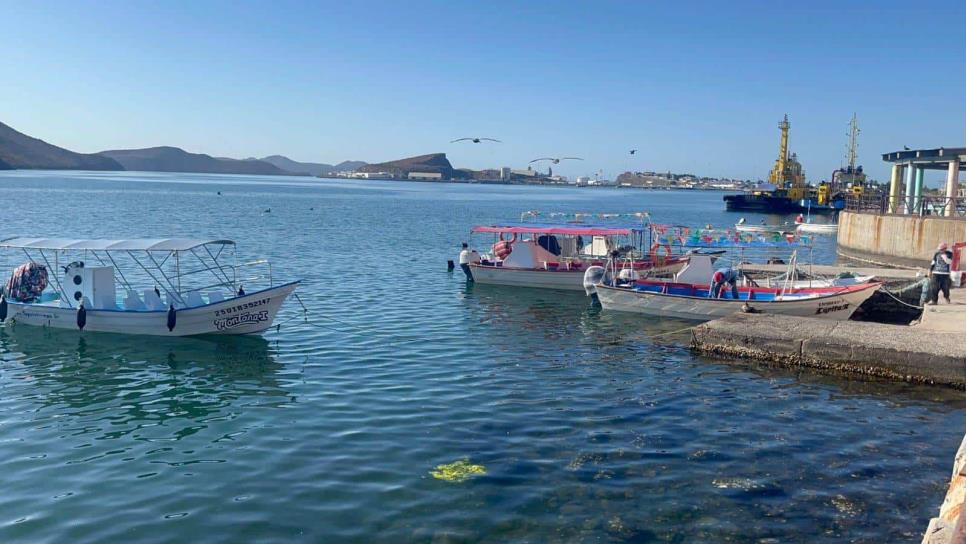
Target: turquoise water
[590,426]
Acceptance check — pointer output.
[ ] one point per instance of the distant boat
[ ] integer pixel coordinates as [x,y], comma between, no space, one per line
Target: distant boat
[761,229]
[817,228]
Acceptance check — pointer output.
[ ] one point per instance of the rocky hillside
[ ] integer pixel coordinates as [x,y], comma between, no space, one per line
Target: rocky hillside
[17,150]
[310,168]
[433,163]
[173,159]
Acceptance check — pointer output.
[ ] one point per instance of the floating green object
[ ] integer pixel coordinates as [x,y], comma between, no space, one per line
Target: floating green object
[460,471]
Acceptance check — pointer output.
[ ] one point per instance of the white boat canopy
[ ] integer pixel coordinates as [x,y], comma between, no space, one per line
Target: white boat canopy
[135,244]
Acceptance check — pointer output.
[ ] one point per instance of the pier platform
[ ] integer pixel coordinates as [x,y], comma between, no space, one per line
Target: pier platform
[946,317]
[919,353]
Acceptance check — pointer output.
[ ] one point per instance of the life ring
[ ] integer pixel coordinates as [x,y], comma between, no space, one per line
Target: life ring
[511,240]
[658,260]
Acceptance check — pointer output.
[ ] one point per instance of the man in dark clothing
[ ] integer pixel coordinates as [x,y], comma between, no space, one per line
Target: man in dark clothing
[939,274]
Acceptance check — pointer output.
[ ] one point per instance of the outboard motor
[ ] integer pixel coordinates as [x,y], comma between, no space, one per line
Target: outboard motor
[593,277]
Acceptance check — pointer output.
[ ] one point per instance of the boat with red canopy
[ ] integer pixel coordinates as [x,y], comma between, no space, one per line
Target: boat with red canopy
[555,255]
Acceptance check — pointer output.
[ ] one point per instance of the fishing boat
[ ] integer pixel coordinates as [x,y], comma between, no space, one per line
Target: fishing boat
[692,301]
[555,256]
[760,229]
[201,294]
[817,228]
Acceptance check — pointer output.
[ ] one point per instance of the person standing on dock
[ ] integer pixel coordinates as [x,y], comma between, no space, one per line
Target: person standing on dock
[939,270]
[468,256]
[721,277]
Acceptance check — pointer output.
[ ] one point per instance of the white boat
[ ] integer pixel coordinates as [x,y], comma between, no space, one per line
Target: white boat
[201,295]
[556,256]
[689,301]
[760,229]
[817,228]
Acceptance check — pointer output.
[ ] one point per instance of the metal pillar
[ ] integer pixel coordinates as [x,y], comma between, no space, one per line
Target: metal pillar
[910,180]
[895,188]
[917,205]
[952,187]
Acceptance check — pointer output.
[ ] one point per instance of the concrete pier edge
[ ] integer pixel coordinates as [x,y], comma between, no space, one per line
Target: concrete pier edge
[910,354]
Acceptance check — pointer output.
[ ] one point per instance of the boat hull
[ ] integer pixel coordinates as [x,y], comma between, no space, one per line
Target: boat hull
[808,228]
[834,306]
[766,203]
[569,280]
[248,314]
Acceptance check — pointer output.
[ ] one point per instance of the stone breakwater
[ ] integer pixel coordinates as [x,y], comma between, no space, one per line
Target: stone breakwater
[950,527]
[913,354]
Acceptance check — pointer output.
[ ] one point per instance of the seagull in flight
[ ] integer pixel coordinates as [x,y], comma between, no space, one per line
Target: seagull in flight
[476,140]
[633,151]
[556,160]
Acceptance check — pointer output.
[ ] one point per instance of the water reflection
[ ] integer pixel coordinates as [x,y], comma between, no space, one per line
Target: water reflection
[144,381]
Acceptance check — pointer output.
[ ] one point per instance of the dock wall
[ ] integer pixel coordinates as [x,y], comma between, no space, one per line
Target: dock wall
[898,239]
[950,526]
[895,352]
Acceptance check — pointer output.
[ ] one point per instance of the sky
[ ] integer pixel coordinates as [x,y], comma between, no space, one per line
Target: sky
[694,86]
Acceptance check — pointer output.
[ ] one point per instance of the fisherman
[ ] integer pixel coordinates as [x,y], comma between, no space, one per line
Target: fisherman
[939,269]
[721,277]
[468,256]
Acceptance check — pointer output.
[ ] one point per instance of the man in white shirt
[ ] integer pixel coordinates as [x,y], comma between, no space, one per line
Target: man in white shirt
[468,256]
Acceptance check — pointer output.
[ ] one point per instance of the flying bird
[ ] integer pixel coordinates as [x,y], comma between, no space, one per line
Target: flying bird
[633,151]
[555,160]
[905,147]
[476,140]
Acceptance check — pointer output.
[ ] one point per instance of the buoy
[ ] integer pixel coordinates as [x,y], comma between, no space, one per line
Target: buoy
[450,265]
[81,316]
[172,318]
[3,308]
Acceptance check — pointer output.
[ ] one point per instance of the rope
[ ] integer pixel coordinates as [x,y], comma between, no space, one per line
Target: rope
[672,332]
[900,301]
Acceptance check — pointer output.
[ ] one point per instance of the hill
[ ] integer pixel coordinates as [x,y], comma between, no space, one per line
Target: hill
[173,159]
[434,163]
[17,150]
[310,168]
[5,166]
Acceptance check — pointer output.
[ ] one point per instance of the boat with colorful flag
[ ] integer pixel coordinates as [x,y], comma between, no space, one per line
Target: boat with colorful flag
[555,255]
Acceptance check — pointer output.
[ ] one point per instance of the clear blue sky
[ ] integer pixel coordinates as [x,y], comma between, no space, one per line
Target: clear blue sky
[695,86]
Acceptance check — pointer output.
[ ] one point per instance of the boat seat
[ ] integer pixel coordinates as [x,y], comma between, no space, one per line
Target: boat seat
[215,296]
[133,301]
[193,300]
[152,301]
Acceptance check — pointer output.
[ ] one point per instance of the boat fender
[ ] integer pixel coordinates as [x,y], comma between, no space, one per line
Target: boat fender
[81,316]
[3,308]
[172,318]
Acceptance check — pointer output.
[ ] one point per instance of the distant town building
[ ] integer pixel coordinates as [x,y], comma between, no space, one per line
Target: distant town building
[429,176]
[505,173]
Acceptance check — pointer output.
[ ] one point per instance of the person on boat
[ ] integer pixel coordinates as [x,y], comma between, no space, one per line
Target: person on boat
[800,219]
[468,256]
[721,277]
[939,271]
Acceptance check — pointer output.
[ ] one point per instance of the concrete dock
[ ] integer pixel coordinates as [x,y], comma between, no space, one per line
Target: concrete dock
[915,354]
[950,526]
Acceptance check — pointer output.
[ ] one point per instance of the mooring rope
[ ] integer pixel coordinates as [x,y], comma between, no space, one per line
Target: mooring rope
[900,301]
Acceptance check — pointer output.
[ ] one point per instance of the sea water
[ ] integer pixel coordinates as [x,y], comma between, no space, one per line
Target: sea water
[590,426]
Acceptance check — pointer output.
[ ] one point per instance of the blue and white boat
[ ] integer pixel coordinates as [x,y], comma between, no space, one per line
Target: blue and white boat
[185,290]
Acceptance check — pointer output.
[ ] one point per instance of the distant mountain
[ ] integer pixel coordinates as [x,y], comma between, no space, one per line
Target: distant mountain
[17,150]
[433,163]
[5,166]
[310,168]
[173,159]
[348,166]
